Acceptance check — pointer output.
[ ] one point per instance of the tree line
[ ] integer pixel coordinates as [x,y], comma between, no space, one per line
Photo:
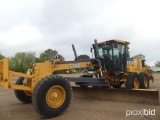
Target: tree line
[22,61]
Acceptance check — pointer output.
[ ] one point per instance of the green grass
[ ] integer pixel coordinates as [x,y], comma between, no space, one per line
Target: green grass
[157,73]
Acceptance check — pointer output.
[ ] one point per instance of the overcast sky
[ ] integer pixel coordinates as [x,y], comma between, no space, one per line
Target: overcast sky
[36,25]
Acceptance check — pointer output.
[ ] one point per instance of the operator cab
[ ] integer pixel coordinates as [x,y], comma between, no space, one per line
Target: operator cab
[113,55]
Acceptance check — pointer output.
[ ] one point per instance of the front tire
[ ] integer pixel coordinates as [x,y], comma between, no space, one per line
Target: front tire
[51,96]
[23,96]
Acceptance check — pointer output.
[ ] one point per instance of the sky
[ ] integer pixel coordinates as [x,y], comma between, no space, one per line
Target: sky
[37,25]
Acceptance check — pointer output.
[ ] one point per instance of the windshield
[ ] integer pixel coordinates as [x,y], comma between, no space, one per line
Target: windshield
[105,49]
[113,54]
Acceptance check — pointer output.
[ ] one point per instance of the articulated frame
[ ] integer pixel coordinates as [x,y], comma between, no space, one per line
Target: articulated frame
[39,71]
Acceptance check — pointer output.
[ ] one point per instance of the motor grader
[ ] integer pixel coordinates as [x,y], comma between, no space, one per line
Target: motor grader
[51,94]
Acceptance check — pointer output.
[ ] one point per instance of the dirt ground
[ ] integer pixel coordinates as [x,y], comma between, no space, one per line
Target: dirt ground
[81,109]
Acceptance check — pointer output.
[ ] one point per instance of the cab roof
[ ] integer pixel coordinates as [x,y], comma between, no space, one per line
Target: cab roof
[115,40]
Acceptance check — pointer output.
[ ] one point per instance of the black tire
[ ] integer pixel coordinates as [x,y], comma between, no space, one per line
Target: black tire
[20,94]
[43,91]
[131,78]
[144,80]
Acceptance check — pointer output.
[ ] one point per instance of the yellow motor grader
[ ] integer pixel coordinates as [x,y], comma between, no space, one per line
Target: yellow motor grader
[51,94]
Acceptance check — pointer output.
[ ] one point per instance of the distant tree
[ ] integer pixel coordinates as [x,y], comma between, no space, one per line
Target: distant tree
[157,64]
[139,56]
[22,61]
[43,56]
[82,57]
[55,51]
[1,56]
[49,54]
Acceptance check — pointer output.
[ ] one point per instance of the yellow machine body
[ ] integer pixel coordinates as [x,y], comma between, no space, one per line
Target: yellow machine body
[41,70]
[51,94]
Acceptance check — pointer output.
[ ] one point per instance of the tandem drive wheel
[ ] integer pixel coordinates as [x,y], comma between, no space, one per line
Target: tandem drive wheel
[144,80]
[132,81]
[51,96]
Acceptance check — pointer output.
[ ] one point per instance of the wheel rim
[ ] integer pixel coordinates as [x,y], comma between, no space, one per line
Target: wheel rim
[145,82]
[136,83]
[55,96]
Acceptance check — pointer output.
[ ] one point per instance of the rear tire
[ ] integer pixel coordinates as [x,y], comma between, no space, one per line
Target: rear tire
[20,94]
[132,81]
[144,80]
[51,96]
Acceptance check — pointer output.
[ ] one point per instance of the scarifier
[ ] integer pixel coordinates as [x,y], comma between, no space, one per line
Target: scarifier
[112,67]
